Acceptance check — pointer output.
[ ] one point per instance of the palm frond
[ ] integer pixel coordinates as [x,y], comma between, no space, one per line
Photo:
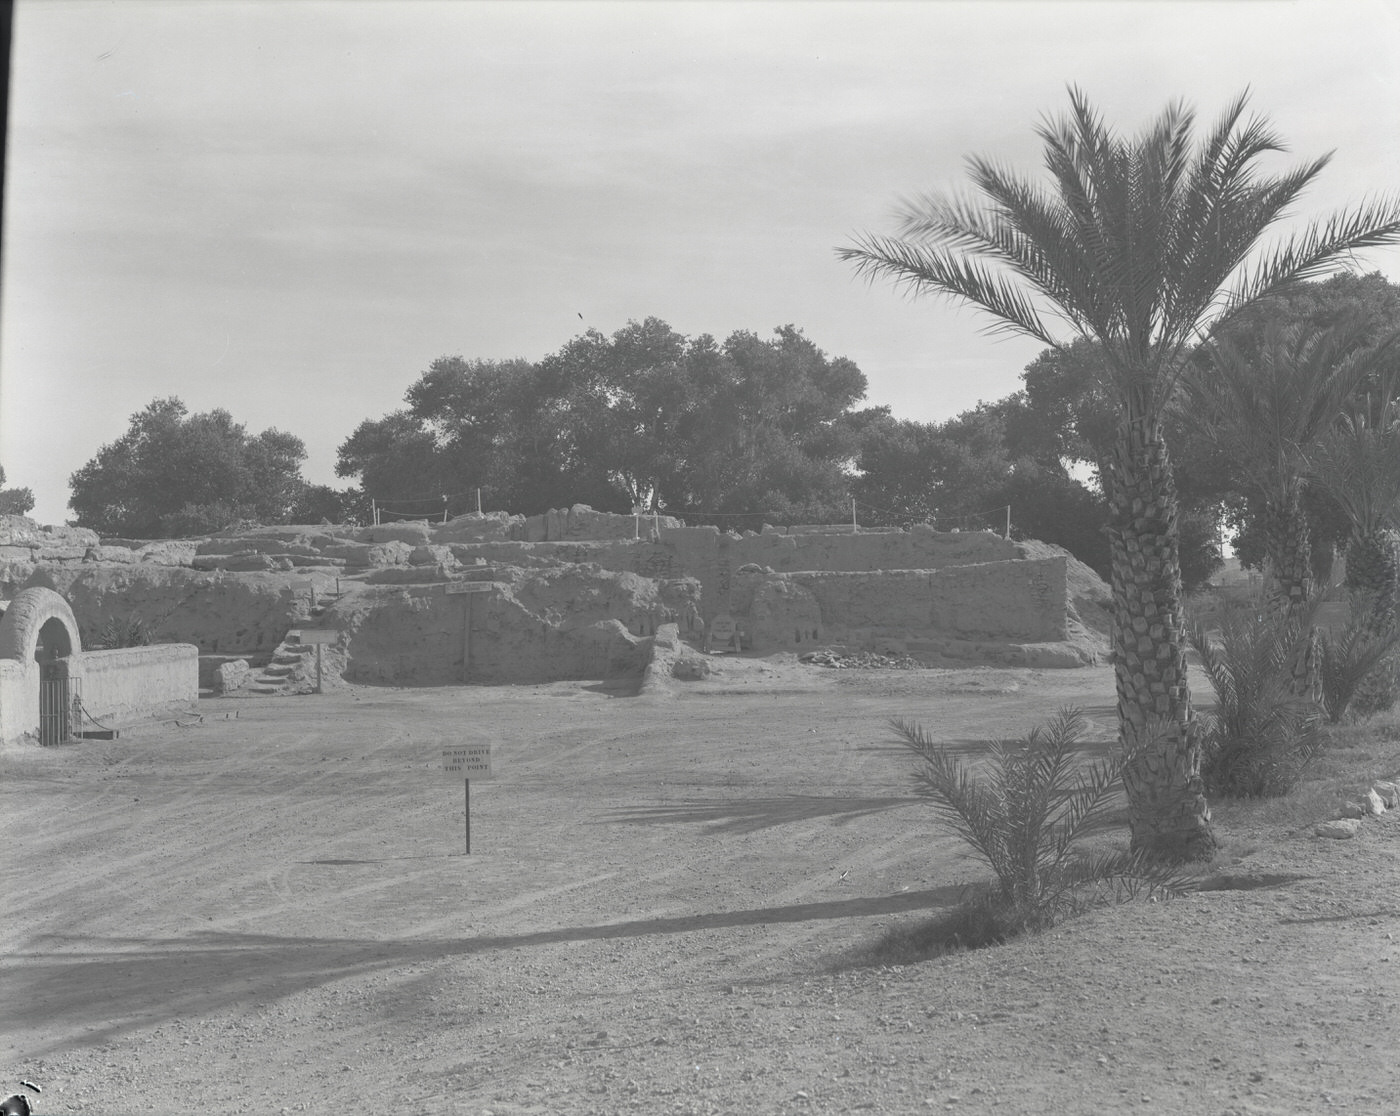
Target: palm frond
[1348,658]
[1358,460]
[928,270]
[1143,243]
[1317,251]
[1262,734]
[1270,405]
[1026,811]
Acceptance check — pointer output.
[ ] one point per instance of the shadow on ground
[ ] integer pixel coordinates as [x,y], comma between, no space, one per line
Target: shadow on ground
[750,815]
[102,988]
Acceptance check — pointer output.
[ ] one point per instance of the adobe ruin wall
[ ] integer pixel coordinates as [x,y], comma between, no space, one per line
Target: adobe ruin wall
[563,605]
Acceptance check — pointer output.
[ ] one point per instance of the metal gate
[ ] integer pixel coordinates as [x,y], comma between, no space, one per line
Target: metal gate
[59,699]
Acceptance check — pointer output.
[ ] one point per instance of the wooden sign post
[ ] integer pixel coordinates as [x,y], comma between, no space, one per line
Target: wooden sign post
[320,639]
[467,589]
[467,762]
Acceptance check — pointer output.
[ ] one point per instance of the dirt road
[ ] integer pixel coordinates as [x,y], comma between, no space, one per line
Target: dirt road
[271,910]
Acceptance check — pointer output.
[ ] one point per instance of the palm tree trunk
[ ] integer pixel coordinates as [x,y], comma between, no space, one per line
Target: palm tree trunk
[1373,576]
[1288,547]
[1167,808]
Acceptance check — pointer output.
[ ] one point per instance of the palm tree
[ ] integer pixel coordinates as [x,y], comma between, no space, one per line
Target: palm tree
[1358,463]
[1266,406]
[1143,244]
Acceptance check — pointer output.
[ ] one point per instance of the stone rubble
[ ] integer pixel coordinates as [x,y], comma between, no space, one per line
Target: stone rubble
[859,660]
[1384,794]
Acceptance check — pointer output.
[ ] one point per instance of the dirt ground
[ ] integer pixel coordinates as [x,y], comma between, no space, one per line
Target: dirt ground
[663,911]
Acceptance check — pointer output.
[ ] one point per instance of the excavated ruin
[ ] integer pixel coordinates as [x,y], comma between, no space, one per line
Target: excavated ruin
[572,594]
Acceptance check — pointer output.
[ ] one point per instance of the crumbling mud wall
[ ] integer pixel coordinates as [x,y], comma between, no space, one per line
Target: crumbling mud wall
[1014,602]
[573,591]
[713,557]
[529,626]
[219,612]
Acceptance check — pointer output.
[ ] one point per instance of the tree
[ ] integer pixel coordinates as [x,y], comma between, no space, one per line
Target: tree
[1375,303]
[1358,463]
[1266,409]
[173,473]
[939,473]
[322,503]
[1142,244]
[645,417]
[14,501]
[774,434]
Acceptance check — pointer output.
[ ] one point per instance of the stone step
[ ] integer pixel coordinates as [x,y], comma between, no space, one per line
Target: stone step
[277,670]
[260,689]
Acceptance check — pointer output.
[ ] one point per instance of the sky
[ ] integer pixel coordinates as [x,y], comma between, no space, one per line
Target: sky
[290,208]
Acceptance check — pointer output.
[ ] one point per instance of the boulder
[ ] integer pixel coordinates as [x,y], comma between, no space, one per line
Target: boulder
[415,533]
[168,552]
[487,527]
[19,530]
[230,676]
[409,575]
[248,560]
[120,555]
[1341,830]
[432,555]
[370,555]
[691,668]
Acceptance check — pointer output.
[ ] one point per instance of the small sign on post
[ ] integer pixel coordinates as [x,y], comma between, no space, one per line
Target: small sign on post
[466,590]
[466,762]
[318,638]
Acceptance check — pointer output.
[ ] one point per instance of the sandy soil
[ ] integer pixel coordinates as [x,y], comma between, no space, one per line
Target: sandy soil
[663,912]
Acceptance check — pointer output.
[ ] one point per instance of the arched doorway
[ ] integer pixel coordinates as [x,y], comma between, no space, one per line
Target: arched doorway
[39,631]
[51,651]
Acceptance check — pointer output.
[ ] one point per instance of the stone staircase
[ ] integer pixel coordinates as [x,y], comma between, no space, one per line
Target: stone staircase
[292,668]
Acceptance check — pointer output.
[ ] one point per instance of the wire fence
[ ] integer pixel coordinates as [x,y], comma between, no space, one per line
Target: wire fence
[863,516]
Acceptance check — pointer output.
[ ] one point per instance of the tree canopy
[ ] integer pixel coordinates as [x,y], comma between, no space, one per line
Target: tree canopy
[14,501]
[173,473]
[646,417]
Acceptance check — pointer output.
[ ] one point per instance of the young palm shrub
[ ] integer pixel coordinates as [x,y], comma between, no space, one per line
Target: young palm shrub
[124,631]
[1262,734]
[1025,820]
[1348,659]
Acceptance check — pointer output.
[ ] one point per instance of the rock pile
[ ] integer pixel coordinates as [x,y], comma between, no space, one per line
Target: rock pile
[1379,797]
[858,660]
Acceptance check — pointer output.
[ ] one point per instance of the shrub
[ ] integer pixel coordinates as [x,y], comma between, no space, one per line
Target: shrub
[1355,656]
[1262,734]
[124,631]
[1025,820]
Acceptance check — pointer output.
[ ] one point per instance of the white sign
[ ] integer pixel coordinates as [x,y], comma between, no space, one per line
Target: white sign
[469,587]
[323,635]
[467,761]
[723,626]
